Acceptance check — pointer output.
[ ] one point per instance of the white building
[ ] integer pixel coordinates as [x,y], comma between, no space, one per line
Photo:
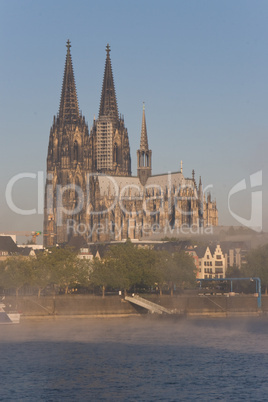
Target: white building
[211,262]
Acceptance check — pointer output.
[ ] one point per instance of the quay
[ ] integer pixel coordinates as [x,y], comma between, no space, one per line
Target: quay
[116,306]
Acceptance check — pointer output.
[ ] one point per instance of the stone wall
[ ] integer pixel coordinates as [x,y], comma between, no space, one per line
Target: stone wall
[75,305]
[70,305]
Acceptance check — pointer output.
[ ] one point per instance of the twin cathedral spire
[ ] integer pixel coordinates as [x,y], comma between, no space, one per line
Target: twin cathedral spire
[107,146]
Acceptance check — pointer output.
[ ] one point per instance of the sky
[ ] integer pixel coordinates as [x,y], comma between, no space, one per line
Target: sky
[200,66]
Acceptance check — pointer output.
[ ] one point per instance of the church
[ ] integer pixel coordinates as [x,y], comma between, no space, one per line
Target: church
[90,190]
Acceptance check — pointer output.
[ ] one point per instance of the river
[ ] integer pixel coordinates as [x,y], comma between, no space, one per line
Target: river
[135,359]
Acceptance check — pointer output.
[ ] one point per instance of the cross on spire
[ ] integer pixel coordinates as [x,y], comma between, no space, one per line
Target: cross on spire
[108,49]
[68,45]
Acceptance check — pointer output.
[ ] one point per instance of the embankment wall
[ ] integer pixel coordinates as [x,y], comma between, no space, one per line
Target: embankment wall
[88,305]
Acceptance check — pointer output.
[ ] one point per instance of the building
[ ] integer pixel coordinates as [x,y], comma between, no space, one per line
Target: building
[90,190]
[211,262]
[8,247]
[235,253]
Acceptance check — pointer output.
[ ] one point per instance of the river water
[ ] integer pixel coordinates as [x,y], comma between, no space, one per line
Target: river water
[135,359]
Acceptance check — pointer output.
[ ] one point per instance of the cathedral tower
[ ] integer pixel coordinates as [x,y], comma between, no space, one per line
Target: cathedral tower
[144,154]
[68,162]
[109,137]
[79,197]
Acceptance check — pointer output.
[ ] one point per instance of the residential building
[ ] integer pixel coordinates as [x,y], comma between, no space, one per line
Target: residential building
[211,262]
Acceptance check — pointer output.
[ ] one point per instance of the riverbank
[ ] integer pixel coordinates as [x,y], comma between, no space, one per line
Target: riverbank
[115,306]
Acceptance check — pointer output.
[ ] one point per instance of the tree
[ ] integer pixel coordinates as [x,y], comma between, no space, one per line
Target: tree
[233,272]
[125,267]
[163,269]
[41,272]
[176,269]
[134,266]
[257,265]
[185,275]
[15,273]
[103,273]
[83,271]
[62,264]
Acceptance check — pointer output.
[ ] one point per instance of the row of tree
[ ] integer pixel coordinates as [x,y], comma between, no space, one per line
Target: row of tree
[57,269]
[125,267]
[128,267]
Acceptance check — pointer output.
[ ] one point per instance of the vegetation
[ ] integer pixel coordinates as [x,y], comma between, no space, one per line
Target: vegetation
[125,267]
[56,269]
[14,274]
[257,265]
[176,270]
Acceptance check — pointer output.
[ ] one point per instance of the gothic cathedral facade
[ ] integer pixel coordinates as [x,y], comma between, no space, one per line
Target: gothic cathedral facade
[90,190]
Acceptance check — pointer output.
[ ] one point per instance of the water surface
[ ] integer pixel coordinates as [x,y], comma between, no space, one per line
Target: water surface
[135,359]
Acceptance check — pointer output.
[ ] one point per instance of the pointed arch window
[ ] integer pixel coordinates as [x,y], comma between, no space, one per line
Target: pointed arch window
[147,159]
[115,153]
[142,159]
[75,150]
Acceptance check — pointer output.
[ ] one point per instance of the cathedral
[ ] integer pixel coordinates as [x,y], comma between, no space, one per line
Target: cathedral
[90,190]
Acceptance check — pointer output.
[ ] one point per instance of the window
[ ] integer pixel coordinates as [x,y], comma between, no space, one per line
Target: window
[75,150]
[115,153]
[207,257]
[218,264]
[218,257]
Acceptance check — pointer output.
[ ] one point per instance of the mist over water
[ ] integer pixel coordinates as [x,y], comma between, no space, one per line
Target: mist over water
[135,359]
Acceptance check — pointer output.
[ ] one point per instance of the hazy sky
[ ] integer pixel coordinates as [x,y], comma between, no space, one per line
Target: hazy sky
[200,67]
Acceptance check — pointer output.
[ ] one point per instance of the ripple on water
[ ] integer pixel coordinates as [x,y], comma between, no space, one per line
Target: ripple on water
[134,359]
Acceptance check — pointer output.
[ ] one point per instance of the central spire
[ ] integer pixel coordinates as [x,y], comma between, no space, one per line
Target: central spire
[108,104]
[69,110]
[144,154]
[144,138]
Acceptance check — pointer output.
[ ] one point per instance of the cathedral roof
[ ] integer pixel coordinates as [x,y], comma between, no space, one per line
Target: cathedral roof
[167,180]
[108,103]
[114,184]
[144,138]
[123,184]
[69,110]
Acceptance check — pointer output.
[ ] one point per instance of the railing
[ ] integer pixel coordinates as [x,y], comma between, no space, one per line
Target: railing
[258,284]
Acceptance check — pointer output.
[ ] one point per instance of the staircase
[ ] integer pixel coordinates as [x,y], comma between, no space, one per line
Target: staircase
[150,306]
